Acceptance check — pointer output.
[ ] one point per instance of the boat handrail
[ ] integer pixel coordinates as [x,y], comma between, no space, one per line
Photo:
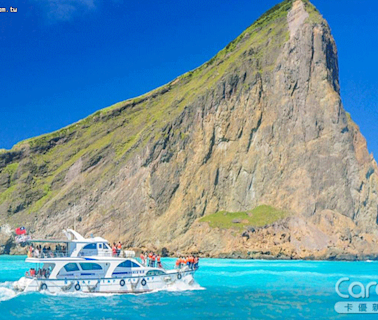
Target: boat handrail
[153,264]
[48,254]
[99,254]
[64,254]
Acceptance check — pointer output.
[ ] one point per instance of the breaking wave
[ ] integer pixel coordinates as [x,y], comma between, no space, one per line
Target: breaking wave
[6,291]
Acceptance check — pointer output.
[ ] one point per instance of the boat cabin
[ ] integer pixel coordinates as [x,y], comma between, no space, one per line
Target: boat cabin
[74,246]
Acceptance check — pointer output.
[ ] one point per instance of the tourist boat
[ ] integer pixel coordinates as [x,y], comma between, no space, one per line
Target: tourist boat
[88,265]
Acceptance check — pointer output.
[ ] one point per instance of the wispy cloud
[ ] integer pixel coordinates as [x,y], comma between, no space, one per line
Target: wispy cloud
[65,10]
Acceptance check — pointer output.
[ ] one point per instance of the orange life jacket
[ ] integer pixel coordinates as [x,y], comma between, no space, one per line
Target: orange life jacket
[178,262]
[158,258]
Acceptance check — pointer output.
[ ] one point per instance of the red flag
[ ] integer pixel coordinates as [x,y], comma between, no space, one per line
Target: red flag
[20,231]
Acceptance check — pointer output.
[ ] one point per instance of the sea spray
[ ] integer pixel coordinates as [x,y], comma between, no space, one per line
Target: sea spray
[6,291]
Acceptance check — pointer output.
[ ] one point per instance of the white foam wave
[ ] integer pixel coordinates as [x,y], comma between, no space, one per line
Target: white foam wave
[6,291]
[181,286]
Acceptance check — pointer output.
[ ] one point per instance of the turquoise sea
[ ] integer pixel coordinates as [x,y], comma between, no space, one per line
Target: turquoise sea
[227,289]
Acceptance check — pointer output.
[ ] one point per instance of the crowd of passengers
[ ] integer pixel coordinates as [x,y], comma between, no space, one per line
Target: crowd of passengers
[39,273]
[191,261]
[151,259]
[46,251]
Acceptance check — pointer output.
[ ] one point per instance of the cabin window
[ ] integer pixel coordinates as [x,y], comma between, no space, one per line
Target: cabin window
[90,266]
[71,267]
[100,245]
[91,246]
[106,246]
[128,264]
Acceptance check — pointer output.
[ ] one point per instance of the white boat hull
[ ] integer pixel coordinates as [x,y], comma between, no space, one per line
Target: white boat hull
[137,284]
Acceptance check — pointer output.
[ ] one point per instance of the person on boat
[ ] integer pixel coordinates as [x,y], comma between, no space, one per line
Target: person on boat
[153,260]
[196,262]
[182,262]
[158,261]
[30,252]
[142,259]
[32,272]
[145,255]
[119,248]
[178,261]
[114,249]
[36,252]
[150,259]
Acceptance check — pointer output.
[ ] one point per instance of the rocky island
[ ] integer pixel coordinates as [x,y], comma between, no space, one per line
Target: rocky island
[250,155]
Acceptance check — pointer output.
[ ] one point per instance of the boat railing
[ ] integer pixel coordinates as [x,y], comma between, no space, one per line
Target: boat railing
[36,276]
[48,254]
[152,264]
[63,254]
[104,254]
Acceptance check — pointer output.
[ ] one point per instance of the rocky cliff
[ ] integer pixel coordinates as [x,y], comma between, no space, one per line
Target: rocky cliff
[250,155]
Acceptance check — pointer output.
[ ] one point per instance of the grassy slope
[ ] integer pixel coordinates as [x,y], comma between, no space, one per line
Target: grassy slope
[127,126]
[260,216]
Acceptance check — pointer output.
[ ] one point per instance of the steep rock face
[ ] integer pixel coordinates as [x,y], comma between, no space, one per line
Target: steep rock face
[261,123]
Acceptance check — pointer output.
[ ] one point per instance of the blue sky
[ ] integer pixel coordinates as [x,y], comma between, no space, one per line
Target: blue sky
[62,60]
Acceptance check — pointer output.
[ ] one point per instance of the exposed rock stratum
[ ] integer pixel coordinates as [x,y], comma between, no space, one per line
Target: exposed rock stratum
[260,123]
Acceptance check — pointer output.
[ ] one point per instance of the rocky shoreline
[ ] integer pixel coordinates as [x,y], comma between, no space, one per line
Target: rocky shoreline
[326,235]
[331,256]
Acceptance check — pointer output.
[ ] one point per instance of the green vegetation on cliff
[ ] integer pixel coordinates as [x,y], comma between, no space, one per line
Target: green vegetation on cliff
[112,135]
[258,217]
